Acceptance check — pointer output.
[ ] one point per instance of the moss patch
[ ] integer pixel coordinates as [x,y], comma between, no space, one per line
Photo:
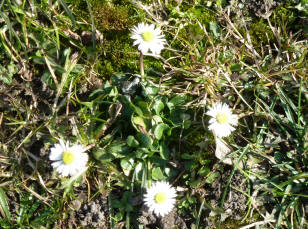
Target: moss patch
[109,17]
[261,33]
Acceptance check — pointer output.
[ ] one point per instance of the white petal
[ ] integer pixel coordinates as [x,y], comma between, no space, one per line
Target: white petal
[55,155]
[63,146]
[56,164]
[73,171]
[76,149]
[65,171]
[60,168]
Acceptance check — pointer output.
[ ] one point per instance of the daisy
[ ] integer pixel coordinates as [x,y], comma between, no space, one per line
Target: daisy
[68,160]
[222,120]
[147,37]
[160,198]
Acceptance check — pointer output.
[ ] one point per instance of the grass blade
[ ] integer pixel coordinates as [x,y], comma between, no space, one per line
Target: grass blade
[68,11]
[4,207]
[199,214]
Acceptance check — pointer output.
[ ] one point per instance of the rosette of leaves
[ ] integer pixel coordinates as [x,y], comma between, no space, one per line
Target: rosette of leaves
[138,140]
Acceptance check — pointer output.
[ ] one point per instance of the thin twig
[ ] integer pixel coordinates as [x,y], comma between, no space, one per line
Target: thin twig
[50,69]
[141,65]
[229,80]
[258,223]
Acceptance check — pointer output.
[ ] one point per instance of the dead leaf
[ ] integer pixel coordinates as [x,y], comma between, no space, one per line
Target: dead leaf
[222,150]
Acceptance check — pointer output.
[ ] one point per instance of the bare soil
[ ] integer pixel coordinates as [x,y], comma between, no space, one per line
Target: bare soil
[170,221]
[93,214]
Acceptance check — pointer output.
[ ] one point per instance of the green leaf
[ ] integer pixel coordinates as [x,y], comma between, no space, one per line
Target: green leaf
[187,156]
[113,92]
[195,183]
[144,107]
[141,153]
[138,110]
[151,90]
[176,101]
[139,170]
[118,150]
[212,177]
[235,68]
[102,156]
[138,120]
[114,150]
[164,151]
[171,172]
[204,171]
[88,104]
[145,140]
[47,79]
[126,201]
[6,74]
[159,130]
[190,165]
[158,106]
[127,165]
[157,174]
[4,207]
[131,141]
[96,93]
[169,131]
[118,78]
[215,29]
[186,124]
[157,119]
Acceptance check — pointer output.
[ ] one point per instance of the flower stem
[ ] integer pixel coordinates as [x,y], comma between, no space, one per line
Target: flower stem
[141,65]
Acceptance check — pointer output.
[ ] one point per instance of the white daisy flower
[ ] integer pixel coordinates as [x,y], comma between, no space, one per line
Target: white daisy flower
[222,120]
[147,37]
[68,160]
[160,198]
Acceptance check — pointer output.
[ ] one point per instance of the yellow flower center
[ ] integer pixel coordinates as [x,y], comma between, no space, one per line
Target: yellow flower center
[222,118]
[160,197]
[68,157]
[148,36]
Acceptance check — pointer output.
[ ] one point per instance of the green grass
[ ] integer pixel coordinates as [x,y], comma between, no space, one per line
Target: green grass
[65,72]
